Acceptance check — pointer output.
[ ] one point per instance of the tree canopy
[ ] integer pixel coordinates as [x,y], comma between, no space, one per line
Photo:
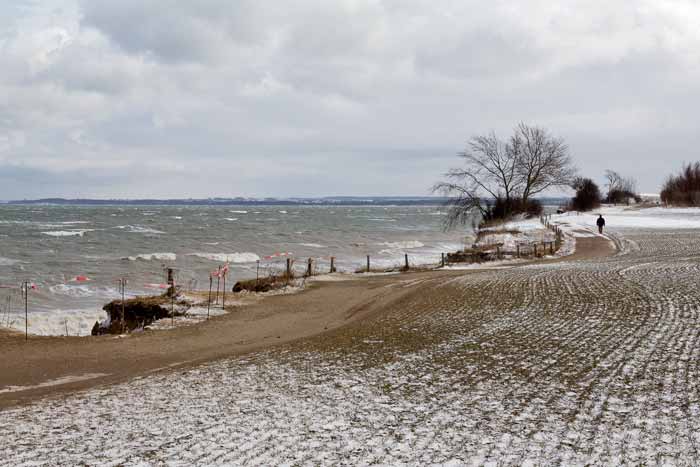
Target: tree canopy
[507,174]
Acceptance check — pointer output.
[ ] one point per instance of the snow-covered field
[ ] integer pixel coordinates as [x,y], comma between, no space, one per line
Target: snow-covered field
[589,362]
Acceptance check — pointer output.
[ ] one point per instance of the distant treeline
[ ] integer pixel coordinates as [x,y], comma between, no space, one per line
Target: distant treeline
[336,201]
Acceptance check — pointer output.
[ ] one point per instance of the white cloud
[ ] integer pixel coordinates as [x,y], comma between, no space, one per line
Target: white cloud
[367,95]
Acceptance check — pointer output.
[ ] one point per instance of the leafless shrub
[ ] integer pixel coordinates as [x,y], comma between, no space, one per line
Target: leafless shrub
[620,189]
[683,189]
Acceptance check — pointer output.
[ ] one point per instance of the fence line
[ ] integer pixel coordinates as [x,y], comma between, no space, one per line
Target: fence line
[289,267]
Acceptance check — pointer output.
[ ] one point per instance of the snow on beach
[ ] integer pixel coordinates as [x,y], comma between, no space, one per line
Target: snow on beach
[589,363]
[618,217]
[498,371]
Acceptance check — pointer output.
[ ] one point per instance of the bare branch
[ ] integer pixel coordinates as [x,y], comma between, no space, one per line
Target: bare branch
[543,161]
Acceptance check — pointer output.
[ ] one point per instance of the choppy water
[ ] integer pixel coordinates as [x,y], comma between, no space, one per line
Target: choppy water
[52,245]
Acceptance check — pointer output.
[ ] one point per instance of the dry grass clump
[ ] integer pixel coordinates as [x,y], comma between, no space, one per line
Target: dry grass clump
[264,284]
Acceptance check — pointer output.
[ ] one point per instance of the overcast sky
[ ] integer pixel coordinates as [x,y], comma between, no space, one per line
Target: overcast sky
[133,98]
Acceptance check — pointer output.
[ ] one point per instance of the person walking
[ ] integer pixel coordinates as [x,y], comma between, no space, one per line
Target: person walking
[601,223]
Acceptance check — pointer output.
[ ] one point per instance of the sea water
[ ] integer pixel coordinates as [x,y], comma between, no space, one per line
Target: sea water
[50,246]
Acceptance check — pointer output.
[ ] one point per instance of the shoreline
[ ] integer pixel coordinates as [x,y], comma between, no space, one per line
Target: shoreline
[54,366]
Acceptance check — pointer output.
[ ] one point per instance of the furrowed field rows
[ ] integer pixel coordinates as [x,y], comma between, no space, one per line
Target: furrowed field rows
[577,362]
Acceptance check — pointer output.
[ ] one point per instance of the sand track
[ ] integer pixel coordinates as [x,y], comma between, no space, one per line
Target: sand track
[591,360]
[34,369]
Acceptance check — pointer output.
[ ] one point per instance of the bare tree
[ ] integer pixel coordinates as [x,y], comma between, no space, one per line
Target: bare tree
[620,189]
[510,173]
[543,161]
[490,169]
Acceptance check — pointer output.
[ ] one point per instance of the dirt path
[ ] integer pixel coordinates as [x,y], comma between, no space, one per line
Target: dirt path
[43,366]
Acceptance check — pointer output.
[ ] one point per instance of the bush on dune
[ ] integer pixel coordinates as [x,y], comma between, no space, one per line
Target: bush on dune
[587,195]
[502,209]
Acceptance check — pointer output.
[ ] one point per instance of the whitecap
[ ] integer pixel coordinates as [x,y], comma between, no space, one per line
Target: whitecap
[407,244]
[231,219]
[152,256]
[67,233]
[8,261]
[83,290]
[229,257]
[313,245]
[239,212]
[139,229]
[394,247]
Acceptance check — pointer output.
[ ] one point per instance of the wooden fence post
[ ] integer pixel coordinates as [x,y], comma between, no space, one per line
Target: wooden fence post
[443,260]
[368,263]
[218,284]
[211,280]
[332,264]
[26,310]
[309,268]
[406,258]
[171,282]
[289,268]
[517,251]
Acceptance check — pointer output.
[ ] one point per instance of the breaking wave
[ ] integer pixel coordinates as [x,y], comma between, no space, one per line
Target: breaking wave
[152,256]
[229,257]
[67,233]
[405,245]
[81,291]
[8,261]
[139,229]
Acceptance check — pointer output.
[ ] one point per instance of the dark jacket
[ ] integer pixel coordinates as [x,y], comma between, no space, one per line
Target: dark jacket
[601,222]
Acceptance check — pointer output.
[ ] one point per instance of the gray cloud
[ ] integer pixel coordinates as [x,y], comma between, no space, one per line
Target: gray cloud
[311,97]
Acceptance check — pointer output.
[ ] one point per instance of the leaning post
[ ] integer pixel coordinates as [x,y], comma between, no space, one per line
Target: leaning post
[26,310]
[123,287]
[211,281]
[223,291]
[218,283]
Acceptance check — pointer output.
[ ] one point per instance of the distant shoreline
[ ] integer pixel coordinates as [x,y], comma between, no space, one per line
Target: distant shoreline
[326,201]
